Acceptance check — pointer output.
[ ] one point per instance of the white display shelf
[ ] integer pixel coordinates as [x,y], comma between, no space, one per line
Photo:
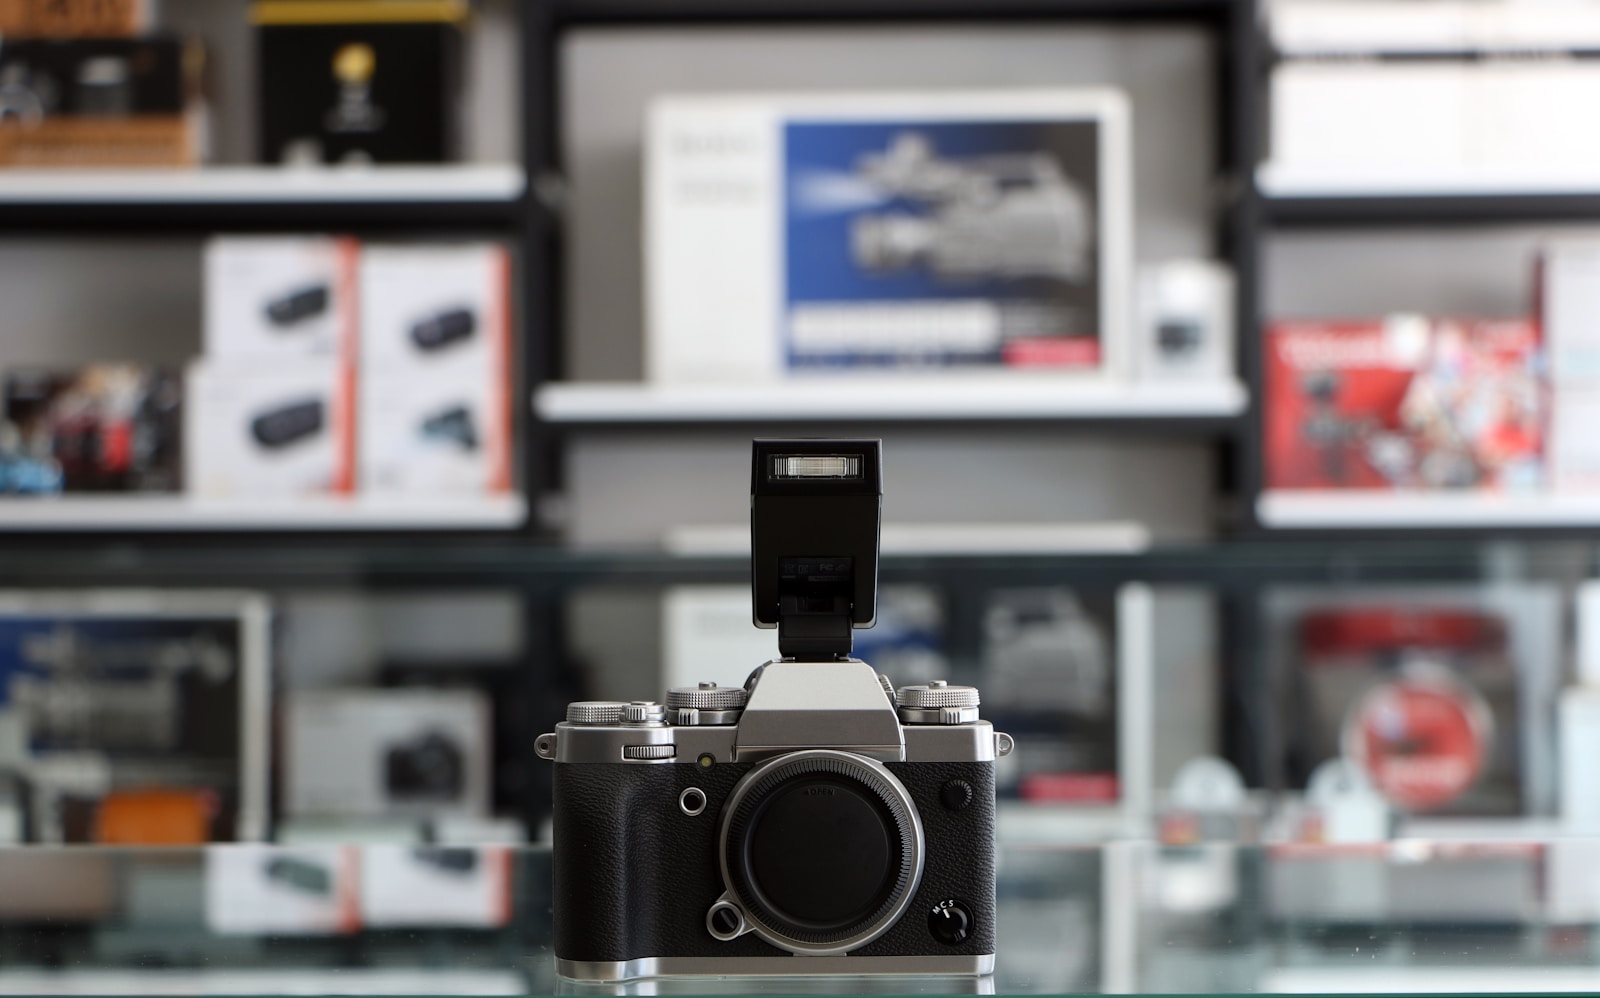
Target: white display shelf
[944,539]
[1402,510]
[1332,183]
[183,513]
[488,182]
[908,399]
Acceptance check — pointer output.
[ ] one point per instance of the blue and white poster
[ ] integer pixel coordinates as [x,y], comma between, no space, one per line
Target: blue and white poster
[942,244]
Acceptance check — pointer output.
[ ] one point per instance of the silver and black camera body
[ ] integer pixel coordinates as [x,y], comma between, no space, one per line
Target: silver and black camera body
[814,820]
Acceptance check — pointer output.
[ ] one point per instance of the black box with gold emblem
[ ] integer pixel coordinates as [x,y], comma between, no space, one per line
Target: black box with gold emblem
[357,81]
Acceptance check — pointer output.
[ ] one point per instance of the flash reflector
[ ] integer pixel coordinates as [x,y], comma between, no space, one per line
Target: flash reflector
[787,466]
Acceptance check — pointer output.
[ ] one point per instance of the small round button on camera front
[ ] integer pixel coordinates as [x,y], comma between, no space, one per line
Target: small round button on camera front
[950,922]
[956,794]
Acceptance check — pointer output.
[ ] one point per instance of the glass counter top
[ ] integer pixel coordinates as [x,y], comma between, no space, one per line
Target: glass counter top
[1405,916]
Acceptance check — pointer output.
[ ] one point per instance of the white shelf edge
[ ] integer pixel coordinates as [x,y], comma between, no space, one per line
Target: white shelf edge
[1502,979]
[485,182]
[1045,539]
[1399,510]
[184,513]
[910,399]
[1283,181]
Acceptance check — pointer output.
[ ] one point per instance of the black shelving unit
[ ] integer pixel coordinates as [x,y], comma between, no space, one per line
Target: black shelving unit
[1432,210]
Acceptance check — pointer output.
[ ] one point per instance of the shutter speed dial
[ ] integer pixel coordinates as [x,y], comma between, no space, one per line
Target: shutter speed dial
[706,703]
[938,702]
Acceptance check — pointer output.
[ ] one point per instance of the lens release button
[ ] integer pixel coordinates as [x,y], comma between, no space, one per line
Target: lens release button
[950,923]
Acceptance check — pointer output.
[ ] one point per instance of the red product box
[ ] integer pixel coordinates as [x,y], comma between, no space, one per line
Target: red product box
[1405,402]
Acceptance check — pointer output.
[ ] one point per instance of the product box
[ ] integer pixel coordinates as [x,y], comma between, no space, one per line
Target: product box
[436,369]
[283,890]
[435,886]
[99,102]
[1569,314]
[269,431]
[708,636]
[1403,120]
[280,298]
[386,753]
[884,233]
[433,436]
[137,706]
[437,312]
[102,428]
[74,18]
[1049,680]
[1185,327]
[358,81]
[1442,695]
[1404,402]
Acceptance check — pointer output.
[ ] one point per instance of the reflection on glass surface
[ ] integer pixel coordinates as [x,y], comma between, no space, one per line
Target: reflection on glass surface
[1407,915]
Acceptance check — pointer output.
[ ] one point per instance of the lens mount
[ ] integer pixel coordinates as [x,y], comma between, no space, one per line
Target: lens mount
[823,849]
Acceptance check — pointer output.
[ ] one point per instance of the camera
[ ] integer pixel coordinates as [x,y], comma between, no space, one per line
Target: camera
[814,820]
[429,768]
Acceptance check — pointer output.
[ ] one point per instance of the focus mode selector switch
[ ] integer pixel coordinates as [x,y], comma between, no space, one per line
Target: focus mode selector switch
[950,922]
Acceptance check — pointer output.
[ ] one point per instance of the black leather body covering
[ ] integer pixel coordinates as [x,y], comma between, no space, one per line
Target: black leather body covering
[634,875]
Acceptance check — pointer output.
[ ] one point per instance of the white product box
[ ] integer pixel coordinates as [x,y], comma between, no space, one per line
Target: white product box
[280,297]
[435,886]
[954,233]
[1569,305]
[376,753]
[437,311]
[1186,325]
[282,890]
[1444,120]
[269,430]
[423,435]
[708,635]
[1404,117]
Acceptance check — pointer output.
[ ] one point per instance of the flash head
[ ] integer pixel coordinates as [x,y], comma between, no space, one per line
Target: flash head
[815,507]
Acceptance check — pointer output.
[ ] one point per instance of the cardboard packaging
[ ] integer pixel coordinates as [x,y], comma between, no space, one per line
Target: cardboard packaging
[359,81]
[139,717]
[74,18]
[280,298]
[103,428]
[1569,312]
[100,102]
[386,753]
[435,886]
[269,431]
[1442,695]
[1405,402]
[283,890]
[435,370]
[887,233]
[1186,321]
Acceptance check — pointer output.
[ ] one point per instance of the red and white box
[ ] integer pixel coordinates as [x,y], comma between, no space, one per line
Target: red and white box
[280,298]
[1405,402]
[435,370]
[269,431]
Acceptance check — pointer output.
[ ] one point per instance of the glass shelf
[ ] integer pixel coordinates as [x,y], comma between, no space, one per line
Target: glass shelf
[1396,917]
